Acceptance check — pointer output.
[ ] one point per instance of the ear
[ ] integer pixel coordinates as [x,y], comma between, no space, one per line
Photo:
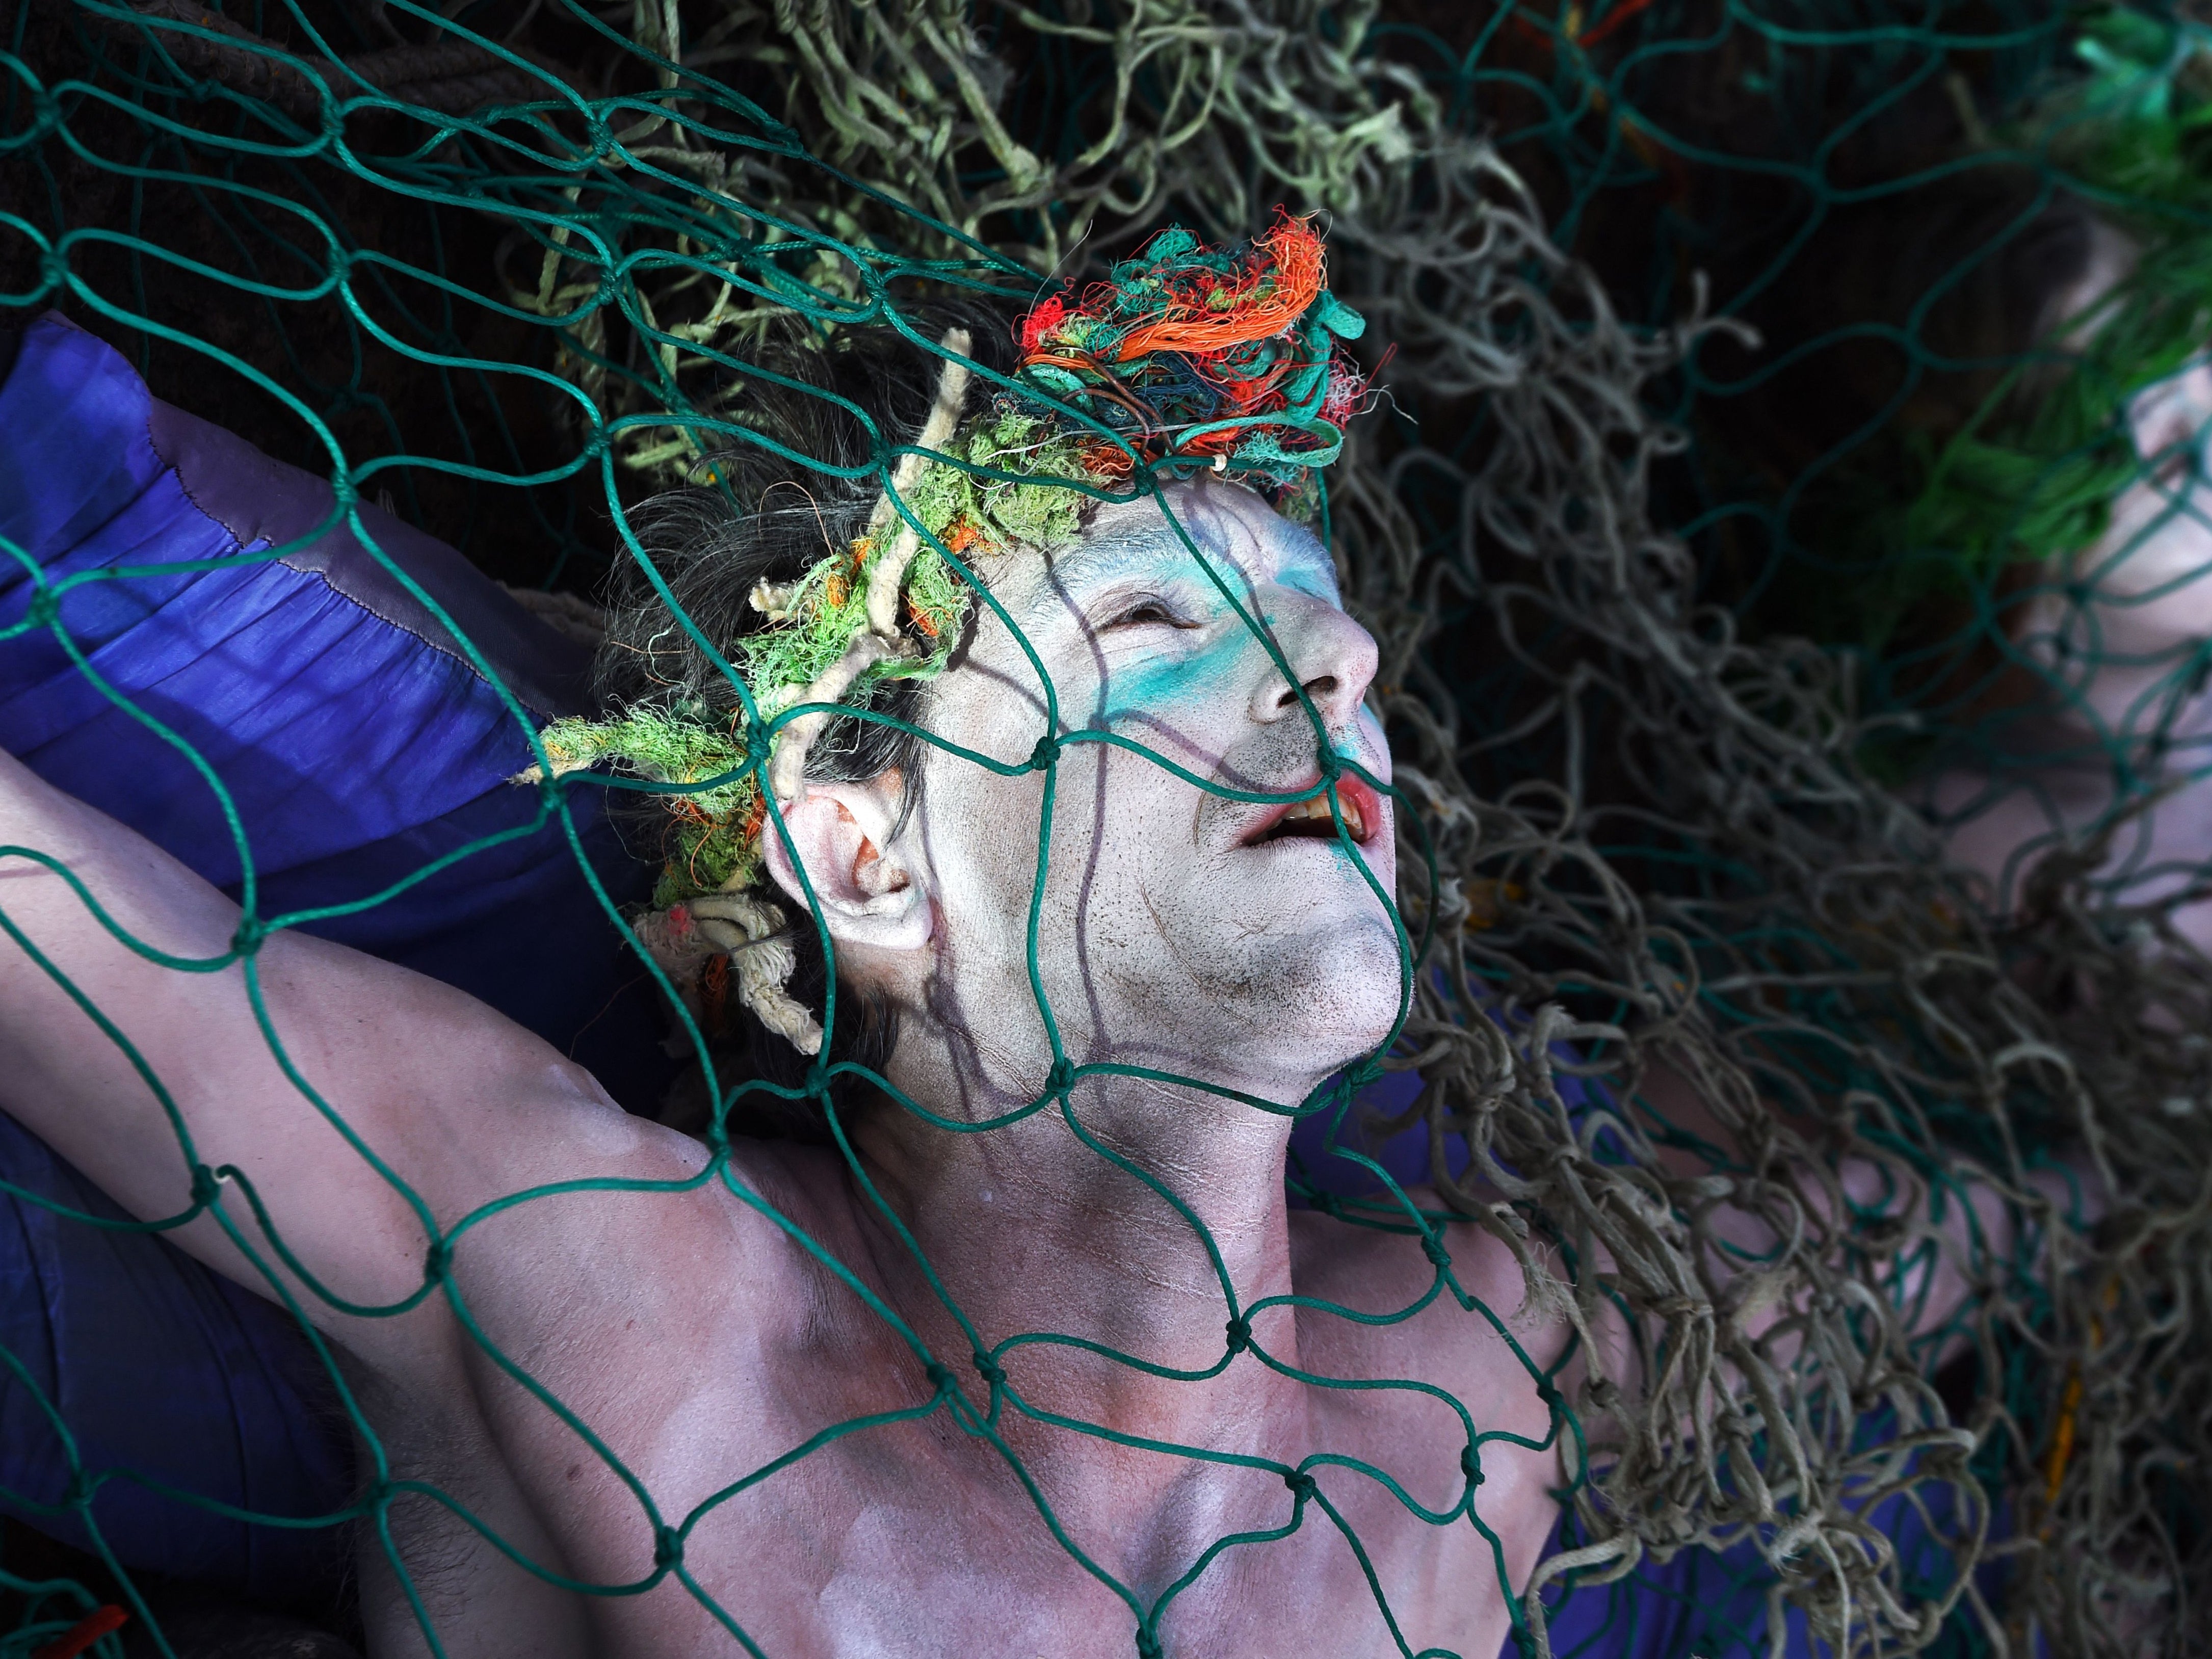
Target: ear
[839,831]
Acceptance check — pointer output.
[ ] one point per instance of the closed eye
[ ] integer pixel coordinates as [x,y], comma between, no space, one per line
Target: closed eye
[1148,613]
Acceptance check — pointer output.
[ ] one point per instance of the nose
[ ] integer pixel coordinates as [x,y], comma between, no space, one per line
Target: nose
[1333,657]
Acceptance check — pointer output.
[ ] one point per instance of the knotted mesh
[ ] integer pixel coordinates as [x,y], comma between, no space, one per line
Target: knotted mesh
[1668,781]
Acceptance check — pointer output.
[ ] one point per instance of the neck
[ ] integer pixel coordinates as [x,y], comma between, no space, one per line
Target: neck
[1050,1226]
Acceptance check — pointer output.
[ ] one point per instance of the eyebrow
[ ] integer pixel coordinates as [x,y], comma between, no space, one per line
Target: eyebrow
[1093,558]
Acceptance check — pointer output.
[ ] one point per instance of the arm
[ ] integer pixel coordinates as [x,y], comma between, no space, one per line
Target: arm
[460,1104]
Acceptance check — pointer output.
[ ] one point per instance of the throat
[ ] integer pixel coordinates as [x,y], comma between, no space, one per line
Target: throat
[1121,1234]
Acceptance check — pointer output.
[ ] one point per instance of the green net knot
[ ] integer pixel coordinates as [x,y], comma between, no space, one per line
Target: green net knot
[988,1369]
[245,938]
[940,1379]
[667,1548]
[1240,1335]
[1301,1485]
[1046,752]
[46,111]
[437,1261]
[1470,1463]
[1148,1645]
[1059,1080]
[1433,1248]
[1324,1202]
[207,1187]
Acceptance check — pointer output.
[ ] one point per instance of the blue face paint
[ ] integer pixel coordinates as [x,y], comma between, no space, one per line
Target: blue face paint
[1155,682]
[1303,564]
[1205,652]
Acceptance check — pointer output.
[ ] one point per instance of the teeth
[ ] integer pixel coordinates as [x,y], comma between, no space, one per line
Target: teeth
[1316,806]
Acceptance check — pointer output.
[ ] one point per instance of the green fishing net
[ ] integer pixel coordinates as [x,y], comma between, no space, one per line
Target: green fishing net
[1740,521]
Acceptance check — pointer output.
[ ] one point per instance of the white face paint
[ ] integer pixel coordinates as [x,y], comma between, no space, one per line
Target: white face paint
[1240,942]
[2147,584]
[2116,632]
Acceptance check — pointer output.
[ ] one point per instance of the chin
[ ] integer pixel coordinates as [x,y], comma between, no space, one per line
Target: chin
[1307,1003]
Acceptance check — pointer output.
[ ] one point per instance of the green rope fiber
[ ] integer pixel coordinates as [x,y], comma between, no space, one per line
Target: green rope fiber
[1669,657]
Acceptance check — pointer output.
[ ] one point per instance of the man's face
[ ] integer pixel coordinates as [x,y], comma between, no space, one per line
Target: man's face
[1178,928]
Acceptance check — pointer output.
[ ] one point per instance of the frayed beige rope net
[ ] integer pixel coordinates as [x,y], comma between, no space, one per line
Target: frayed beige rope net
[1659,848]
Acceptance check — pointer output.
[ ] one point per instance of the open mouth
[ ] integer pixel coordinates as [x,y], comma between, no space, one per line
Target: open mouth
[1310,819]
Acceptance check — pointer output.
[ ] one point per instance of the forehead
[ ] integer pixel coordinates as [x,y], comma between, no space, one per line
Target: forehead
[1244,540]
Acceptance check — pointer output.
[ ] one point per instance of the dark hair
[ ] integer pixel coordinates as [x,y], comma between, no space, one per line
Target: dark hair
[764,517]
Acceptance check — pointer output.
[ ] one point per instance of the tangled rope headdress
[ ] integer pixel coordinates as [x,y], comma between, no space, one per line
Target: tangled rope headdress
[1186,359]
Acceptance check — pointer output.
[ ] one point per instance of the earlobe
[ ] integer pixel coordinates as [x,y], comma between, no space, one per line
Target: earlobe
[865,897]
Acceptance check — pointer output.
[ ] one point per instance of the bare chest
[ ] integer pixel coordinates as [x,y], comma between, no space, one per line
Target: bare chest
[813,1513]
[718,1449]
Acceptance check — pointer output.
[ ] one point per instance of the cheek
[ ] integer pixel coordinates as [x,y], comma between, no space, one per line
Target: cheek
[1382,856]
[1113,813]
[1374,746]
[993,821]
[1170,692]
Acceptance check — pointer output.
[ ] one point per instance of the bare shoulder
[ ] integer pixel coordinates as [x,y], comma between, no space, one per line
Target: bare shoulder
[625,1205]
[569,1231]
[1451,1298]
[1387,1252]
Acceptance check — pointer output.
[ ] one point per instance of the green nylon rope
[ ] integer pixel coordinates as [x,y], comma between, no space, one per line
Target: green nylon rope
[340,266]
[537,291]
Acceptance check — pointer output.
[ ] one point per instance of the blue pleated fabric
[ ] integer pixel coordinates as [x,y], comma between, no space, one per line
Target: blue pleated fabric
[359,742]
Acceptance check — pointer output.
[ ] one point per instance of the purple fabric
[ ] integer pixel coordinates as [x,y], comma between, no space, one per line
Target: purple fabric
[1713,1604]
[332,727]
[265,503]
[1324,1154]
[358,743]
[163,1370]
[1701,1604]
